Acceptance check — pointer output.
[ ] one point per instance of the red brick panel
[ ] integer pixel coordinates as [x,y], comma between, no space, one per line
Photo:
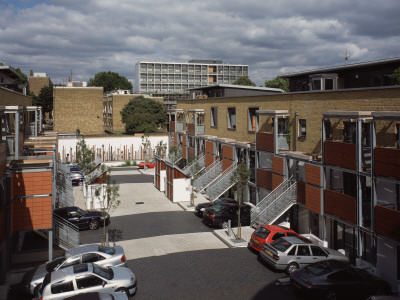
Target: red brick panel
[340,154]
[276,180]
[209,159]
[387,162]
[387,222]
[172,126]
[226,163]
[31,213]
[209,147]
[178,174]
[227,152]
[37,183]
[340,205]
[301,192]
[277,165]
[264,179]
[191,153]
[191,129]
[184,140]
[313,174]
[265,141]
[313,198]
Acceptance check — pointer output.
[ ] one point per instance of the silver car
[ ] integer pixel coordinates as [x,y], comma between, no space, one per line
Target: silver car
[292,253]
[99,296]
[86,278]
[102,255]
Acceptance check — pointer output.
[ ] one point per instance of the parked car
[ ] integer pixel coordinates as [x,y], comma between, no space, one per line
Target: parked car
[83,218]
[268,234]
[76,178]
[74,167]
[200,208]
[84,278]
[218,215]
[334,279]
[94,253]
[99,296]
[292,253]
[148,165]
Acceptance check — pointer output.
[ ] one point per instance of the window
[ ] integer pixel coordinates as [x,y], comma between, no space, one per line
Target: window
[302,128]
[291,234]
[316,84]
[328,83]
[252,117]
[87,281]
[349,132]
[62,287]
[231,116]
[91,257]
[278,235]
[292,251]
[303,251]
[214,116]
[328,129]
[72,262]
[317,251]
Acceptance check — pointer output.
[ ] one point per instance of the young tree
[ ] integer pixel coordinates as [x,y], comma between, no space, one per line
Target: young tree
[396,76]
[194,172]
[241,177]
[110,81]
[143,115]
[244,80]
[278,83]
[161,149]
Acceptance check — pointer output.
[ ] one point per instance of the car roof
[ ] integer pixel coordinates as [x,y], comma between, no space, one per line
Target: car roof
[276,228]
[81,249]
[62,273]
[297,240]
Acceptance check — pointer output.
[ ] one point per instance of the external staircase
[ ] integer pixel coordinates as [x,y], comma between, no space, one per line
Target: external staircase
[196,166]
[208,176]
[275,204]
[221,184]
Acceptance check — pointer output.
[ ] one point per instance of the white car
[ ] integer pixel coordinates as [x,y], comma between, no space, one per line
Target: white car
[86,278]
[99,296]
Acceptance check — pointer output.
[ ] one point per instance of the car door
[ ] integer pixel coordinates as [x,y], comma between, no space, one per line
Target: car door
[61,290]
[75,218]
[318,253]
[91,283]
[303,256]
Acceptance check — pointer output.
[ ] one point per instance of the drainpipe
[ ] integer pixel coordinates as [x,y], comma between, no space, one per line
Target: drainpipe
[296,131]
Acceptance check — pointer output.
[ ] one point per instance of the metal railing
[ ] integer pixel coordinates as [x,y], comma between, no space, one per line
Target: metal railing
[190,169]
[66,234]
[222,183]
[64,191]
[276,204]
[208,176]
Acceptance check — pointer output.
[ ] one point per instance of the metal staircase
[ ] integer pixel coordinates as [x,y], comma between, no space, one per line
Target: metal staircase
[191,169]
[275,204]
[208,176]
[66,234]
[222,183]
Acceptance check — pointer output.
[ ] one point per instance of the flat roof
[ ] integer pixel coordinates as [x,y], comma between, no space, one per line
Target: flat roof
[10,72]
[234,86]
[347,114]
[342,67]
[386,115]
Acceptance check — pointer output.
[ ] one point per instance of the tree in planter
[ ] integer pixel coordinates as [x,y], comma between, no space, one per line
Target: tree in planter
[241,177]
[109,192]
[175,153]
[194,172]
[146,147]
[161,149]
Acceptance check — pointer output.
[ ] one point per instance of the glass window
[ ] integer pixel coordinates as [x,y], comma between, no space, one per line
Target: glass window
[89,257]
[292,251]
[252,117]
[291,234]
[214,116]
[72,261]
[303,251]
[107,273]
[87,281]
[281,245]
[328,83]
[278,235]
[302,128]
[231,115]
[349,132]
[328,129]
[62,287]
[317,251]
[316,84]
[51,266]
[262,232]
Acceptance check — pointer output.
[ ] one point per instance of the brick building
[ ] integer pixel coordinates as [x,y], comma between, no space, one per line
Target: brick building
[37,81]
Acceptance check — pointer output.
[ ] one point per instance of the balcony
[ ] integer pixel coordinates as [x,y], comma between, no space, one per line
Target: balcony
[387,162]
[340,154]
[340,205]
[265,141]
[387,222]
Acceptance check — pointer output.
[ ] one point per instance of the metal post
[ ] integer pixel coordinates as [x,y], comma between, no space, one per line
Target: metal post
[229,228]
[276,135]
[16,134]
[50,244]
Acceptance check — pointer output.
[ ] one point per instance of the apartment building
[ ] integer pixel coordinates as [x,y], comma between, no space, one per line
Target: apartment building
[324,160]
[37,81]
[172,80]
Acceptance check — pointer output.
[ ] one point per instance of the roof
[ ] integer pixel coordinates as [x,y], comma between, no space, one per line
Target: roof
[10,72]
[297,240]
[342,67]
[81,249]
[239,87]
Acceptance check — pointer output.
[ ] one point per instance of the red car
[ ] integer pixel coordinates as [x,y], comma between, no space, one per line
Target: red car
[268,234]
[148,164]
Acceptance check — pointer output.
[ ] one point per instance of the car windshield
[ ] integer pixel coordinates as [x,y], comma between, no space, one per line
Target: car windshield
[281,245]
[107,250]
[318,269]
[104,272]
[81,212]
[218,208]
[51,266]
[262,232]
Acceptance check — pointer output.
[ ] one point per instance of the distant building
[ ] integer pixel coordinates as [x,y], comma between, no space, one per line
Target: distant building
[231,90]
[173,80]
[37,81]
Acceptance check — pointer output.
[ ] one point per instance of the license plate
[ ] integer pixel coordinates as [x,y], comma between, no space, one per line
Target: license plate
[269,252]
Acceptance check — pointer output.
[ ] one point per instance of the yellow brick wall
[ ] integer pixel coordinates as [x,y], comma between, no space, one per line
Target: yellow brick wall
[309,106]
[36,84]
[78,108]
[8,97]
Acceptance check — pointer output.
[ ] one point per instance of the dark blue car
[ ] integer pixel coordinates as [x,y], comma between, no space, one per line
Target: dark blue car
[83,218]
[74,168]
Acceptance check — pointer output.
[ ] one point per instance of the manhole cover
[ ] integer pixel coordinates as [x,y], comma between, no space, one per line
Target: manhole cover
[139,202]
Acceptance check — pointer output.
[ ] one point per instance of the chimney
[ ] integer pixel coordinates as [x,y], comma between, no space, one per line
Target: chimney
[31,73]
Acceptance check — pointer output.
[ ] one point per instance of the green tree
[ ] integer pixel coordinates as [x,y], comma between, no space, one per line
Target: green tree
[241,177]
[110,81]
[278,83]
[396,76]
[244,80]
[44,99]
[144,115]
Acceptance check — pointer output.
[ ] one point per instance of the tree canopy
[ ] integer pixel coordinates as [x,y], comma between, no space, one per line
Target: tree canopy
[278,83]
[23,81]
[396,76]
[110,81]
[244,80]
[144,115]
[44,99]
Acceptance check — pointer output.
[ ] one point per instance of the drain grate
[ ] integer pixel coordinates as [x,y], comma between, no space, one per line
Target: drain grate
[139,202]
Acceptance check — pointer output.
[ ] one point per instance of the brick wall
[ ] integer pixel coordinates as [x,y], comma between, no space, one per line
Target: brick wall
[37,83]
[8,97]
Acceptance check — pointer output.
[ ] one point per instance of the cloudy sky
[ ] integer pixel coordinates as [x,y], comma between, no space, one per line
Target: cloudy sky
[272,37]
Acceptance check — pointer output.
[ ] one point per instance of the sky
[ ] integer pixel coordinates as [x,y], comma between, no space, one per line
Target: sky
[85,37]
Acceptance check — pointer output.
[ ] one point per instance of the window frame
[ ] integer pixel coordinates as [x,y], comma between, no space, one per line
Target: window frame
[214,117]
[231,111]
[251,113]
[302,128]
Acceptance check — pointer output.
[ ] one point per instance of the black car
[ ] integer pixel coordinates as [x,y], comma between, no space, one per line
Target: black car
[200,208]
[219,214]
[83,218]
[337,280]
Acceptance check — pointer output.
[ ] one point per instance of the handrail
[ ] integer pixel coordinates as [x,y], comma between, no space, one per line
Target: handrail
[201,160]
[208,176]
[214,189]
[66,233]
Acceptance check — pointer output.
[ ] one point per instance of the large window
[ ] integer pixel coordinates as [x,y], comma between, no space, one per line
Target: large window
[302,128]
[349,132]
[214,116]
[231,117]
[252,117]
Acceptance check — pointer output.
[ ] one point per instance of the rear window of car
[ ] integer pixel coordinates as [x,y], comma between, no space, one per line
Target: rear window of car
[318,269]
[50,267]
[107,250]
[281,245]
[262,232]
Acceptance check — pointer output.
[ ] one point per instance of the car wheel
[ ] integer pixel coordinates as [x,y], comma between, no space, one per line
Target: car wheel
[331,295]
[126,292]
[93,225]
[36,290]
[224,225]
[291,268]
